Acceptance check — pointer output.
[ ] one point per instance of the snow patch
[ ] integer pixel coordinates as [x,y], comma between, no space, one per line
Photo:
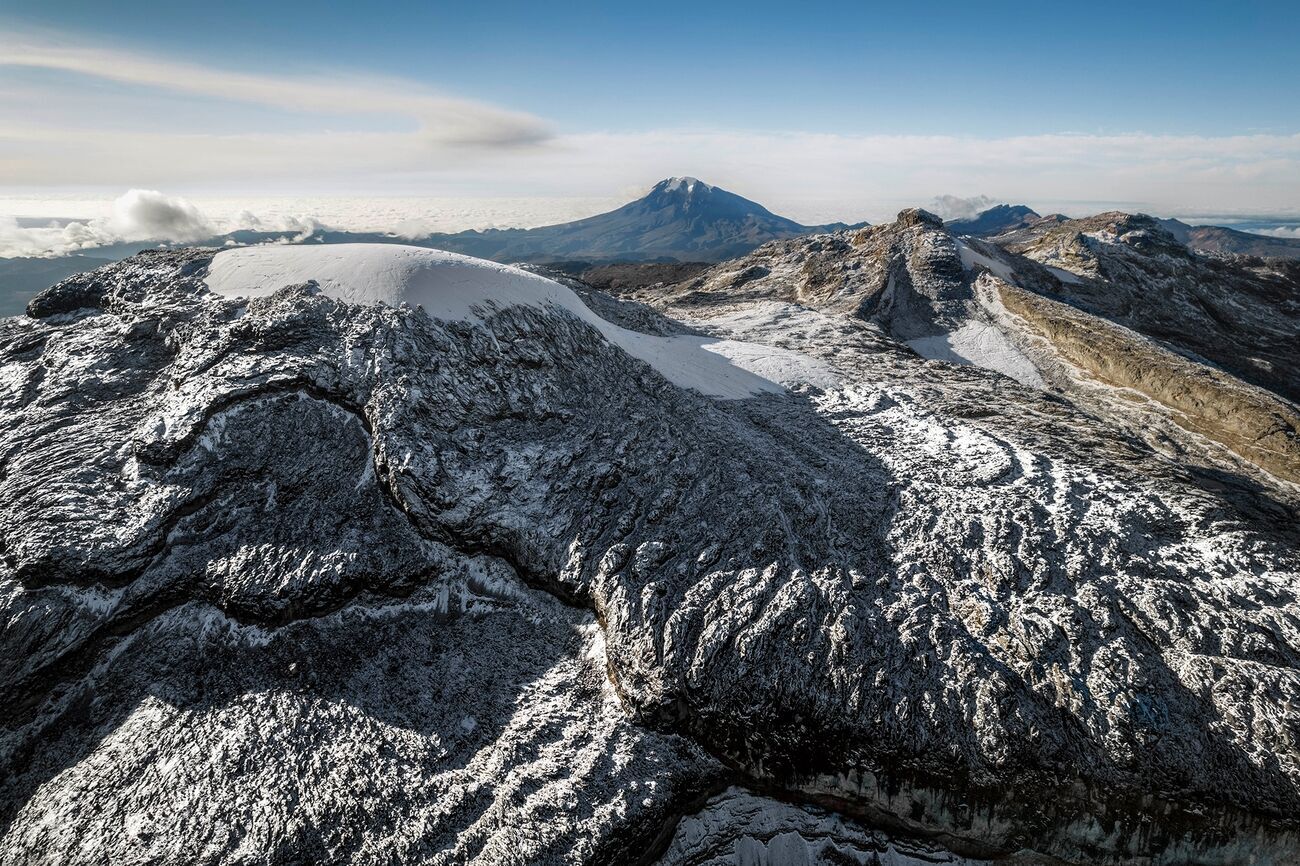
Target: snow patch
[981,345]
[785,366]
[970,258]
[673,184]
[1065,276]
[453,287]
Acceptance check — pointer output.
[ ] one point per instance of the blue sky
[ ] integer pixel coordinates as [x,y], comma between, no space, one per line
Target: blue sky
[939,67]
[1189,104]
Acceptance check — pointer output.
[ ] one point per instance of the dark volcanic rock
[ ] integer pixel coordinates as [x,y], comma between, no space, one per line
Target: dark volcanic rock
[296,579]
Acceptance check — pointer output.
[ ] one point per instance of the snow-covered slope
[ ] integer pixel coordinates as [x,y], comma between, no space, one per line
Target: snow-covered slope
[454,287]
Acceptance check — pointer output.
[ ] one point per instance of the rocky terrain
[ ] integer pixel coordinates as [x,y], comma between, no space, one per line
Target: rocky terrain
[1239,313]
[1214,240]
[858,549]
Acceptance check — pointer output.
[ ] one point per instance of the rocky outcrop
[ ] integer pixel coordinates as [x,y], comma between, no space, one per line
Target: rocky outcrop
[1250,421]
[295,578]
[1239,314]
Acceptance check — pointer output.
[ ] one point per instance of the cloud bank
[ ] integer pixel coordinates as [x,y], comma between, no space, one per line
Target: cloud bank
[1285,232]
[138,216]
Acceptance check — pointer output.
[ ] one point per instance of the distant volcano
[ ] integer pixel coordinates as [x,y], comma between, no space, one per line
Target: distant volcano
[680,218]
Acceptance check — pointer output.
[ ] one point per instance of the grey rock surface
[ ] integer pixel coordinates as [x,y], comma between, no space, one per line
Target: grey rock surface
[297,580]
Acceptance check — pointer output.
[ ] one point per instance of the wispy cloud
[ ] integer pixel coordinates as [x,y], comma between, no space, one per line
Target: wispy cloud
[440,118]
[429,126]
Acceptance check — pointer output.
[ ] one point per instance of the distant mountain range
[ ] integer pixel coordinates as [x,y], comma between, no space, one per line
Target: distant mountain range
[995,221]
[681,219]
[1219,239]
[1005,218]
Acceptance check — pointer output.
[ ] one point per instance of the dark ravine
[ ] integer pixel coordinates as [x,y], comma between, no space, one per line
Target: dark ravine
[493,589]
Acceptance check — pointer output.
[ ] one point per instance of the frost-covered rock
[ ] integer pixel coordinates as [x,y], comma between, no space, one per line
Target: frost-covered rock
[298,576]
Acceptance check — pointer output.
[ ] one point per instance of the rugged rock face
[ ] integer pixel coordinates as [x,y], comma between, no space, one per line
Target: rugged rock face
[1250,421]
[296,579]
[1128,320]
[1238,313]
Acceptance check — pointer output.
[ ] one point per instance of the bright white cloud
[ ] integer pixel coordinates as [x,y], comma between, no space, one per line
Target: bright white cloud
[143,214]
[137,216]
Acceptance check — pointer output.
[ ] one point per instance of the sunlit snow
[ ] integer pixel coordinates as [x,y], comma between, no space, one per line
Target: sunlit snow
[982,345]
[456,287]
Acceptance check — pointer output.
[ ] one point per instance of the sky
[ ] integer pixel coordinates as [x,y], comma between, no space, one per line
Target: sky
[825,111]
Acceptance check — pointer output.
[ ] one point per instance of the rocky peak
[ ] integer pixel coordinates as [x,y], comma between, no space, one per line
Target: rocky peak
[915,216]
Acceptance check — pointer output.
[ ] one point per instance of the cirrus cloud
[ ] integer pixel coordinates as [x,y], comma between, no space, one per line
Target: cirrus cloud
[414,125]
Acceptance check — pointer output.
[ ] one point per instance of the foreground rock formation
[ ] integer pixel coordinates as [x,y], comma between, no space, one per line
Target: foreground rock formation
[292,578]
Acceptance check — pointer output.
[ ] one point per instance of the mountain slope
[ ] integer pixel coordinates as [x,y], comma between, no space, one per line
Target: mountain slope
[435,561]
[1208,342]
[1001,219]
[1218,239]
[1240,315]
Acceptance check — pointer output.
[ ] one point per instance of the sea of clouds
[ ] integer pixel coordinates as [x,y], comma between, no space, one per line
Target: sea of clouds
[45,227]
[37,226]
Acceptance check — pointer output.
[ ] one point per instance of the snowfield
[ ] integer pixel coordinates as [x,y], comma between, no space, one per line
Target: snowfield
[454,287]
[982,345]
